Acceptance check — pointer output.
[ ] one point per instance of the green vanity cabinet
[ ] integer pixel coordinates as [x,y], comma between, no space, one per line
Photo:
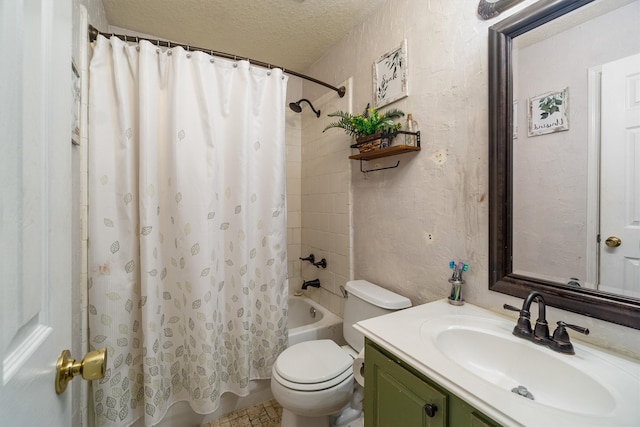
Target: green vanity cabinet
[396,395]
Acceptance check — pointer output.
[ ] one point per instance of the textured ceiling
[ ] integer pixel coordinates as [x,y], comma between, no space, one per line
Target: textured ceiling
[289,33]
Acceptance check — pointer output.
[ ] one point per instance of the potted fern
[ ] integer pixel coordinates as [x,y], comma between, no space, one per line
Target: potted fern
[372,129]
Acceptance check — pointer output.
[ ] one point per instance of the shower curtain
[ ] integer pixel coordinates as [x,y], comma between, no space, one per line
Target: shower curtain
[187,227]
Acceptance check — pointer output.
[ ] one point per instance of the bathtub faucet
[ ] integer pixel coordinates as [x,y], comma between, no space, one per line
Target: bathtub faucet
[315,283]
[322,263]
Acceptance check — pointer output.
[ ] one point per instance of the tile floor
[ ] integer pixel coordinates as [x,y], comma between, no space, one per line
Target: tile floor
[266,414]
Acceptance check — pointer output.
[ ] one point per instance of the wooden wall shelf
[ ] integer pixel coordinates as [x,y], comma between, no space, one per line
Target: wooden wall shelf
[385,152]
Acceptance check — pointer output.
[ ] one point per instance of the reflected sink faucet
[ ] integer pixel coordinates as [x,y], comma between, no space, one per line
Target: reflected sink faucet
[559,342]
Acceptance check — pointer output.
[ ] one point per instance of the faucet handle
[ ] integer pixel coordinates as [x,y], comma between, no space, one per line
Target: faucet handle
[510,307]
[322,263]
[310,258]
[561,341]
[523,327]
[576,328]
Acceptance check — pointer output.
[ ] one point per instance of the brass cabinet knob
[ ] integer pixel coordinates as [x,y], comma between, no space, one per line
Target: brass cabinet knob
[613,241]
[92,367]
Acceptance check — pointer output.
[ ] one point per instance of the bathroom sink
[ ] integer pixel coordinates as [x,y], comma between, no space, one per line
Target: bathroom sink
[487,349]
[472,353]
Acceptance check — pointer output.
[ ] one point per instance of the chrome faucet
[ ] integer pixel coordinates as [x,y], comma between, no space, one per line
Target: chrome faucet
[540,334]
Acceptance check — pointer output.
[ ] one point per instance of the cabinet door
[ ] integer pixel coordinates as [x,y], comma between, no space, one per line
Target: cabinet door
[395,397]
[476,420]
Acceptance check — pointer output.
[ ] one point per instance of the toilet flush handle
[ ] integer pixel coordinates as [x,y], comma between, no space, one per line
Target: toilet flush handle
[344,292]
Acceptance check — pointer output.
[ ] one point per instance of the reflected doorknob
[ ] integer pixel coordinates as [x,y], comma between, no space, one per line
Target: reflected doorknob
[613,242]
[92,367]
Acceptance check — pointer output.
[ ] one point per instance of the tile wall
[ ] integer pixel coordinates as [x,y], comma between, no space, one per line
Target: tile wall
[326,200]
[293,140]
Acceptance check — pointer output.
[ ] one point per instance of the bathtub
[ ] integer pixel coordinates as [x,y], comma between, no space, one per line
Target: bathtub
[308,321]
[303,326]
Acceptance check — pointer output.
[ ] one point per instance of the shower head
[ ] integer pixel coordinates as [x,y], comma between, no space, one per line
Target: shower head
[295,106]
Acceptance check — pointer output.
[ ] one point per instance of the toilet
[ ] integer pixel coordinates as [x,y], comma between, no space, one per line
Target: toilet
[313,380]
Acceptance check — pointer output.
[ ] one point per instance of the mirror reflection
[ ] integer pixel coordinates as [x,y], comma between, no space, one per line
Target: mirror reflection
[576,149]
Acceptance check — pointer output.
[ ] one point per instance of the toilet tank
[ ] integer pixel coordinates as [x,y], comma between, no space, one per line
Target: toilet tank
[364,301]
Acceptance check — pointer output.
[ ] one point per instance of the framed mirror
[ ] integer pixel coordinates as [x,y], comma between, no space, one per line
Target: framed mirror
[547,146]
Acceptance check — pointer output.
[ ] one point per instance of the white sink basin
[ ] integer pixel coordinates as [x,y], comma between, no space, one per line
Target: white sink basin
[485,349]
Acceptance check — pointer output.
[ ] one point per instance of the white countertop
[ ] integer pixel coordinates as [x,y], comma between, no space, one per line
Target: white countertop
[403,333]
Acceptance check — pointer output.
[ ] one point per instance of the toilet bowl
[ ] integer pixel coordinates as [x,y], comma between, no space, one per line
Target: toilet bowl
[313,380]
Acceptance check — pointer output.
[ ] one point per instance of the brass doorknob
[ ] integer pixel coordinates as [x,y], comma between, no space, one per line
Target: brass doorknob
[92,367]
[613,242]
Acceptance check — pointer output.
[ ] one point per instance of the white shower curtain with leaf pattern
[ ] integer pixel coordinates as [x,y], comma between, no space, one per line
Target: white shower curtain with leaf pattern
[187,227]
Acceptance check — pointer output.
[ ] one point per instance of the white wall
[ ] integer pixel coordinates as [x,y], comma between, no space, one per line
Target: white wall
[442,190]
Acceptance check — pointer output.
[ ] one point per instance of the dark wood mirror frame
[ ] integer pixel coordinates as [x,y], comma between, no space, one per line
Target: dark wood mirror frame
[606,306]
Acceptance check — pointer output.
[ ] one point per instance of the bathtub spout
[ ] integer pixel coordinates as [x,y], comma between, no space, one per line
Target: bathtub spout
[315,283]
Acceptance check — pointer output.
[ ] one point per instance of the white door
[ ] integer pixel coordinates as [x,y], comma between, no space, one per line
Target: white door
[35,207]
[620,177]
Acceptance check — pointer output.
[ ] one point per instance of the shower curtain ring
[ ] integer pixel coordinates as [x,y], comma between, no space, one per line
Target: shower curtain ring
[125,39]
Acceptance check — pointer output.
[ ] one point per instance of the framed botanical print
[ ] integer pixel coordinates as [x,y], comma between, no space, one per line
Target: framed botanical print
[548,113]
[390,76]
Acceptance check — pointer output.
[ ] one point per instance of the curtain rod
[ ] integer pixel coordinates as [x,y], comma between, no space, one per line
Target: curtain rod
[94,32]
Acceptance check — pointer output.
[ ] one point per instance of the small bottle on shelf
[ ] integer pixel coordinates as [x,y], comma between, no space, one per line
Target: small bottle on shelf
[410,126]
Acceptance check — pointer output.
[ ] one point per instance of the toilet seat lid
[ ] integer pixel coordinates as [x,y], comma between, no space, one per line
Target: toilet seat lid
[312,362]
